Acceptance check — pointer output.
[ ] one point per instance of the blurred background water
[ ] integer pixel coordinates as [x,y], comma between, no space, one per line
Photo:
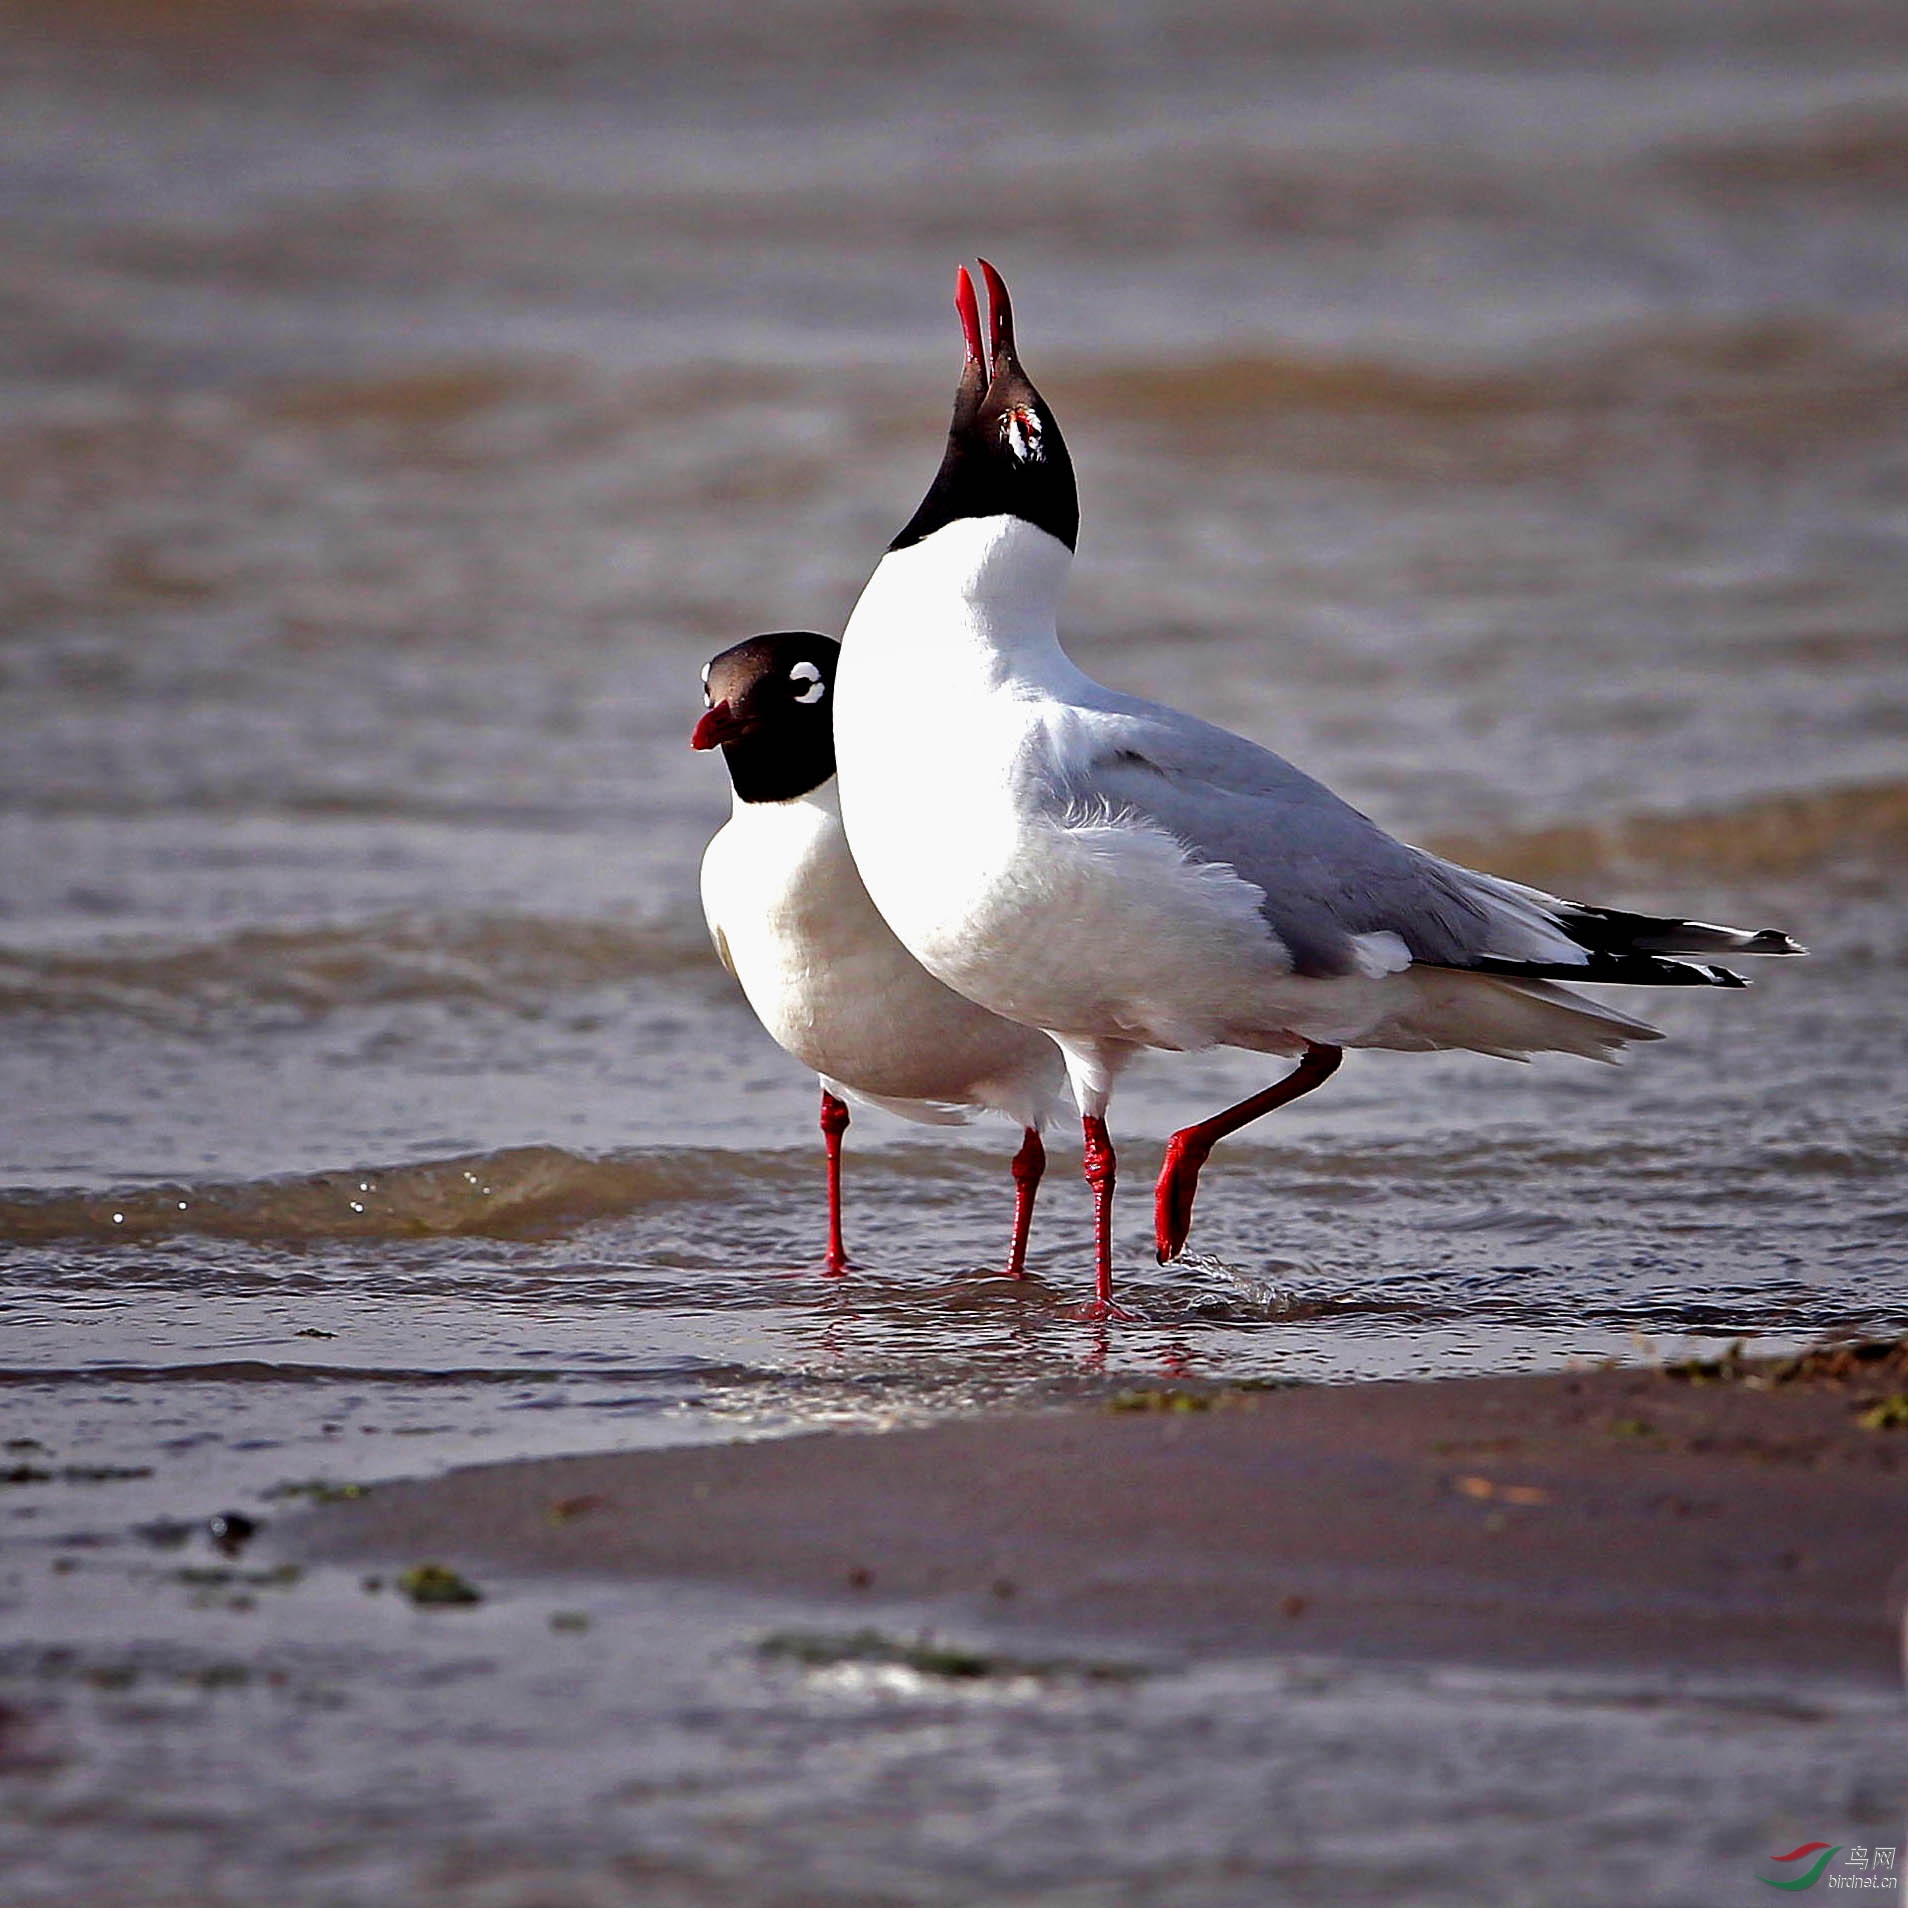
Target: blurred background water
[1498,406]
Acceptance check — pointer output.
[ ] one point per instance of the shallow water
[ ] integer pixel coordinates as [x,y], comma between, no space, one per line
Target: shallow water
[1503,416]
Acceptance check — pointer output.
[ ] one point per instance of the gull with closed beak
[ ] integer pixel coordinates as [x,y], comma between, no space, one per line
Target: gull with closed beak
[825,975]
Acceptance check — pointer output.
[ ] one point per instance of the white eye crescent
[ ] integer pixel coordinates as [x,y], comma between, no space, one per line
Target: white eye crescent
[1020,431]
[808,673]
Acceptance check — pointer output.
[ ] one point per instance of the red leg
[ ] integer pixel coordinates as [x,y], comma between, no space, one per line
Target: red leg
[1029,1163]
[1100,1166]
[834,1123]
[1187,1149]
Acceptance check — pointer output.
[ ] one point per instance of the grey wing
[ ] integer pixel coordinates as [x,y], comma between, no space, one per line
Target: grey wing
[1330,874]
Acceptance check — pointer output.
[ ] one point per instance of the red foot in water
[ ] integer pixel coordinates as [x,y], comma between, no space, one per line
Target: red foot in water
[1175,1190]
[834,1123]
[1101,1168]
[1102,1312]
[1029,1163]
[1186,1151]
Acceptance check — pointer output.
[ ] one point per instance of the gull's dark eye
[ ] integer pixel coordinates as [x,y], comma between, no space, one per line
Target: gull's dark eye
[806,672]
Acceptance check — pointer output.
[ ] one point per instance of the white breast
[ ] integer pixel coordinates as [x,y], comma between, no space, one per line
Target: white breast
[835,988]
[926,743]
[951,716]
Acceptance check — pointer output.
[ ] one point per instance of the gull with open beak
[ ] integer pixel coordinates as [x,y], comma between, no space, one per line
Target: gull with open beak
[1123,876]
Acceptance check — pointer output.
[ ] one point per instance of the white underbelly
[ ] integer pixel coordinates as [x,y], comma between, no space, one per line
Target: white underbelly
[1090,929]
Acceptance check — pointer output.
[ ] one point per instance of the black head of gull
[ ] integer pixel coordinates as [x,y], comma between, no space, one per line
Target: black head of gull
[769,711]
[1005,455]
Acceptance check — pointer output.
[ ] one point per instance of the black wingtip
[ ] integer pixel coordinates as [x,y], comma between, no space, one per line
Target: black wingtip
[1615,931]
[1623,970]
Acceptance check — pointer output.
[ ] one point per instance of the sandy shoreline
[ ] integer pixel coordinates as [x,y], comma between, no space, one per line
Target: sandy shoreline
[1619,1519]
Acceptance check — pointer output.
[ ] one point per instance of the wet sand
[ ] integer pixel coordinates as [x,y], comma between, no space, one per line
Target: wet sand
[1712,1519]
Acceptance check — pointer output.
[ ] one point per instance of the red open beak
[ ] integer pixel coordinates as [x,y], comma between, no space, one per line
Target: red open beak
[968,307]
[719,725]
[1000,316]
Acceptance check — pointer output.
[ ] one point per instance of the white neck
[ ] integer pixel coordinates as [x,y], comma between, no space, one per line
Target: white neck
[992,584]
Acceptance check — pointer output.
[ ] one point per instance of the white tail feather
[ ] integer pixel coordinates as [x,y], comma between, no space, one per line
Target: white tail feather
[1509,1018]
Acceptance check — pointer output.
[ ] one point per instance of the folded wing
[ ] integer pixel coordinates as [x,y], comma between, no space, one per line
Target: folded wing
[1336,886]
